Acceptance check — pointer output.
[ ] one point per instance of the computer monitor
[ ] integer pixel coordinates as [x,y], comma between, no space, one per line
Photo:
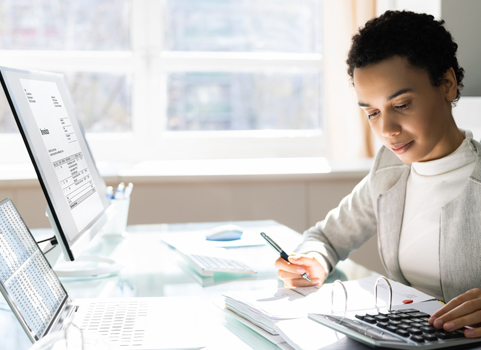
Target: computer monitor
[75,191]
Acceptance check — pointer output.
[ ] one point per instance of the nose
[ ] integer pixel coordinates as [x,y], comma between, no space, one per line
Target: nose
[390,126]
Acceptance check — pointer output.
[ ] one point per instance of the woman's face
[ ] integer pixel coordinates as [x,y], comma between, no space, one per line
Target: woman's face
[407,113]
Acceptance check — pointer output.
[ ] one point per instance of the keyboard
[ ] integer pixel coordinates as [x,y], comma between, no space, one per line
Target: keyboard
[207,265]
[396,329]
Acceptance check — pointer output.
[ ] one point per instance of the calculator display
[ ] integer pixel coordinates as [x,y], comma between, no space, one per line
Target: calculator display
[26,279]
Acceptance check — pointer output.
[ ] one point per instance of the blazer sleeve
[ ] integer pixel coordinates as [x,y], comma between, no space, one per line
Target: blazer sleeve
[345,228]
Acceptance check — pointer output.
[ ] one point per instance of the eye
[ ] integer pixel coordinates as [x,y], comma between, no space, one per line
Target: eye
[369,116]
[403,106]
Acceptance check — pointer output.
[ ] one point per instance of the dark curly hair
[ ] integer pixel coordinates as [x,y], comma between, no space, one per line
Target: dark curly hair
[418,37]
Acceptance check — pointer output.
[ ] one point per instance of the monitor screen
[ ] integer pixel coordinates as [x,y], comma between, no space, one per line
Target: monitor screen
[46,117]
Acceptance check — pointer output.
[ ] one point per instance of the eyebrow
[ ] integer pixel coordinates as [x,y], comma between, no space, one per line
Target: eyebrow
[396,94]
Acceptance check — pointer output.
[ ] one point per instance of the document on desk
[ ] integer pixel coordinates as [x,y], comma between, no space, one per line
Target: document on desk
[265,308]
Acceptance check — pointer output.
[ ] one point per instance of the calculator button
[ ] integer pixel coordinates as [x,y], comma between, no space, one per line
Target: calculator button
[407,321]
[416,319]
[405,316]
[458,334]
[430,337]
[381,318]
[359,316]
[369,319]
[382,324]
[409,311]
[394,323]
[391,328]
[394,317]
[417,338]
[419,314]
[428,329]
[416,325]
[402,332]
[443,335]
[403,326]
[414,331]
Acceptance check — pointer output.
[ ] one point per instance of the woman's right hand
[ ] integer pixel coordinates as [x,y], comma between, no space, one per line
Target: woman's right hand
[298,264]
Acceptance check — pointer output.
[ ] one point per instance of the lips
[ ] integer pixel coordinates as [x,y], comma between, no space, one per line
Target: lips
[400,148]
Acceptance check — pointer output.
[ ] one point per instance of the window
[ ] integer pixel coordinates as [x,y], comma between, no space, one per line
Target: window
[177,79]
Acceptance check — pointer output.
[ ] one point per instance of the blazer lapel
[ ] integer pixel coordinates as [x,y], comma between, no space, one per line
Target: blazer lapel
[390,208]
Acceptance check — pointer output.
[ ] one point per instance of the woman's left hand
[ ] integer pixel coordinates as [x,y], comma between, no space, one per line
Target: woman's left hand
[464,310]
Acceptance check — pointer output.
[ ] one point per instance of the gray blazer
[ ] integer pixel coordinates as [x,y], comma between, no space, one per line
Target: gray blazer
[376,206]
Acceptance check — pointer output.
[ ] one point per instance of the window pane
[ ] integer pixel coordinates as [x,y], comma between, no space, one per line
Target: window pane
[102,101]
[65,25]
[7,121]
[243,25]
[244,101]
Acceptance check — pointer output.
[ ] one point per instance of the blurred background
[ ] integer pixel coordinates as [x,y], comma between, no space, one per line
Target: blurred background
[216,110]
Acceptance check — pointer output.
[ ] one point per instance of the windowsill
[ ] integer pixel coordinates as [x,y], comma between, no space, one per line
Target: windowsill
[206,170]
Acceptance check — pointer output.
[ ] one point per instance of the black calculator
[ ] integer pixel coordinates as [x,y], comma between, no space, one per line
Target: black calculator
[395,329]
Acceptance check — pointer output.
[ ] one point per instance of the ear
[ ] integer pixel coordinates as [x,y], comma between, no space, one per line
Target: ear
[450,85]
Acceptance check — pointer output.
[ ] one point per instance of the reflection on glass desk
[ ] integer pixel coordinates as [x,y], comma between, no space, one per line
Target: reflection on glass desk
[154,269]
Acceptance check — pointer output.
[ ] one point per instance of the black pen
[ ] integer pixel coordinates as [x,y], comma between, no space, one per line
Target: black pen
[281,252]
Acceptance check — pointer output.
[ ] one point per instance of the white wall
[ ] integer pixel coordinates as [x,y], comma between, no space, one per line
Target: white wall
[297,202]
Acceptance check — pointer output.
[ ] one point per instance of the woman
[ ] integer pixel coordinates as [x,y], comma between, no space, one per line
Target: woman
[423,194]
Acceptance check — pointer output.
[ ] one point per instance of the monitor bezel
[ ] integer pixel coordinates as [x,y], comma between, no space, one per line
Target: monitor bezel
[66,244]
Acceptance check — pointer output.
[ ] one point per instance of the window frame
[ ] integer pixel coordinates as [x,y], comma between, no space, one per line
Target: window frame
[149,64]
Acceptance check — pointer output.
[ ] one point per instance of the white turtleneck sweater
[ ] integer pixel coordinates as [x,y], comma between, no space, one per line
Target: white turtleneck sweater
[431,186]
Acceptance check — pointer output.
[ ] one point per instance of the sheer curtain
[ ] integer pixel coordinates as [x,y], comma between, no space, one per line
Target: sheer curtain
[348,128]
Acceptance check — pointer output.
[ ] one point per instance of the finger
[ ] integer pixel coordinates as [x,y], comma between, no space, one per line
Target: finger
[287,275]
[470,319]
[465,308]
[281,264]
[473,333]
[454,303]
[301,282]
[299,259]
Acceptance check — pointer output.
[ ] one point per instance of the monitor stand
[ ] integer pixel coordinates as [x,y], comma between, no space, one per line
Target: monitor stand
[83,265]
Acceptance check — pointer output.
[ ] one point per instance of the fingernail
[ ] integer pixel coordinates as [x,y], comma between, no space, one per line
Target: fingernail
[316,281]
[449,326]
[438,323]
[300,270]
[469,333]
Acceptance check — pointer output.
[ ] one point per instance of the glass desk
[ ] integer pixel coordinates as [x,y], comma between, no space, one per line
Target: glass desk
[153,269]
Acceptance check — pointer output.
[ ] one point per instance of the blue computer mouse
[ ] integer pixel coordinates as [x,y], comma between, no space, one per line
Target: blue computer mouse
[225,233]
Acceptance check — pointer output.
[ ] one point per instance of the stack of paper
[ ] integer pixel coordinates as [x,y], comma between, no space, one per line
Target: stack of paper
[265,308]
